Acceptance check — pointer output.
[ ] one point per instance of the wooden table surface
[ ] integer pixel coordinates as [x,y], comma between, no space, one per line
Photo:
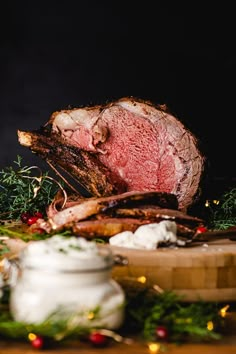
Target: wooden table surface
[226,346]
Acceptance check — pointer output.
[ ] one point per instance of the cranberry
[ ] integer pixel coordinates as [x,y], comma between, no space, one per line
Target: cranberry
[32,220]
[37,343]
[162,332]
[98,339]
[38,214]
[201,229]
[25,217]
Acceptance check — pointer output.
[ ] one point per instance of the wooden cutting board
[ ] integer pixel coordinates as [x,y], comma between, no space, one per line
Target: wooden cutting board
[202,271]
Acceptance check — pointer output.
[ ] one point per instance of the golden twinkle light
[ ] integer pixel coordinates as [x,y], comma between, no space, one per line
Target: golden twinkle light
[210,326]
[142,279]
[32,336]
[214,201]
[223,311]
[154,347]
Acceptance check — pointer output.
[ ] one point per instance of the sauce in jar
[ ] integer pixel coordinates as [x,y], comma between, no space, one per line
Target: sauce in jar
[67,277]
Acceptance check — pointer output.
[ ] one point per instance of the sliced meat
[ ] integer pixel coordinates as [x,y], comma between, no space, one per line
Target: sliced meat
[135,143]
[93,206]
[155,213]
[59,202]
[106,227]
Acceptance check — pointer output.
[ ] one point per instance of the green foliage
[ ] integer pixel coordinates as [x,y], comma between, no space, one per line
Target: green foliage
[24,236]
[21,191]
[51,328]
[223,215]
[58,326]
[146,311]
[183,320]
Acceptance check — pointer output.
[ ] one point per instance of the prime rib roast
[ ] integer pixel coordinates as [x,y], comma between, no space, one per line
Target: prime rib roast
[117,152]
[107,216]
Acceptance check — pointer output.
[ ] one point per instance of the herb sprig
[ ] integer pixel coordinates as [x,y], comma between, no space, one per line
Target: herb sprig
[146,310]
[22,191]
[223,215]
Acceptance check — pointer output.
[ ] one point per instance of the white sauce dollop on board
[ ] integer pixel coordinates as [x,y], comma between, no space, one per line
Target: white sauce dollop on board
[148,236]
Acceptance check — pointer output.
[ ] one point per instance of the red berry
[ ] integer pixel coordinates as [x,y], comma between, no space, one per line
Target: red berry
[25,216]
[162,332]
[37,343]
[98,339]
[32,220]
[201,229]
[38,214]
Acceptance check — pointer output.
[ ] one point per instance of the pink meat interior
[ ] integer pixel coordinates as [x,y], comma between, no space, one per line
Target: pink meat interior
[134,151]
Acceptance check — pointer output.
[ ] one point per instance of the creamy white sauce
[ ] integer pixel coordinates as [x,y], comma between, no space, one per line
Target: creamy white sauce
[61,252]
[71,276]
[148,236]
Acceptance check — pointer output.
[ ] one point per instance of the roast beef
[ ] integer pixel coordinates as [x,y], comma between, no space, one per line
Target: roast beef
[115,220]
[105,217]
[84,167]
[108,227]
[125,145]
[155,214]
[89,207]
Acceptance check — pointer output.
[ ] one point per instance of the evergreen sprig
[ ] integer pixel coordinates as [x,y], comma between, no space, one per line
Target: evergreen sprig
[22,191]
[223,215]
[184,321]
[53,328]
[146,310]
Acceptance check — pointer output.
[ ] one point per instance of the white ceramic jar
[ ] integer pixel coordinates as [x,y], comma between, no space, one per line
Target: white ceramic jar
[67,277]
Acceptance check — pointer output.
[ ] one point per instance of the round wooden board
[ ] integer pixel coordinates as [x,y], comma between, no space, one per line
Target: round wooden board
[197,272]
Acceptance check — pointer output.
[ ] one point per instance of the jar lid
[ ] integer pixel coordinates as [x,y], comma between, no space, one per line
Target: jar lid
[66,253]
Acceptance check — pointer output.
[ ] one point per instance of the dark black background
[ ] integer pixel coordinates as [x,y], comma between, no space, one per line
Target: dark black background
[60,54]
